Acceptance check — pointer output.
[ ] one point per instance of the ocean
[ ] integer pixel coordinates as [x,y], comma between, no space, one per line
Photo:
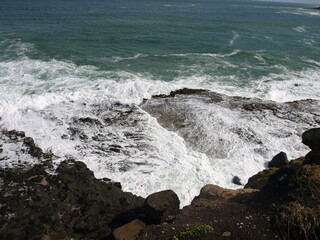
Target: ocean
[66,65]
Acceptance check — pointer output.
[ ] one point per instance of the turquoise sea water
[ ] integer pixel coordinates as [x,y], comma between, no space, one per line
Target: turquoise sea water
[231,43]
[65,60]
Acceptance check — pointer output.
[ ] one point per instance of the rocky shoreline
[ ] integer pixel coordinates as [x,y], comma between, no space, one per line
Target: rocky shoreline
[67,202]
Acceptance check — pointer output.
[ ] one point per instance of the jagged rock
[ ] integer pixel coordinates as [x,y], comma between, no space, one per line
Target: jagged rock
[34,150]
[72,203]
[158,206]
[313,157]
[236,180]
[311,138]
[183,91]
[129,231]
[214,192]
[279,160]
[259,180]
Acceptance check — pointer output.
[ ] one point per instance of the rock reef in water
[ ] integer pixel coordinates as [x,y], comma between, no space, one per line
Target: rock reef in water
[282,202]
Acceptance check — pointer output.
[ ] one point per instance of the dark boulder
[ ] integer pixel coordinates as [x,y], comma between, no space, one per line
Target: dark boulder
[236,180]
[311,138]
[69,204]
[158,206]
[279,160]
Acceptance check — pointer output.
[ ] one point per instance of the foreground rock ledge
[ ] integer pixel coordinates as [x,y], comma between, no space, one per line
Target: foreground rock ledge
[70,204]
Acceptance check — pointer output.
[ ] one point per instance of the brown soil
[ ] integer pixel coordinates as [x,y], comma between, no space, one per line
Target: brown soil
[230,219]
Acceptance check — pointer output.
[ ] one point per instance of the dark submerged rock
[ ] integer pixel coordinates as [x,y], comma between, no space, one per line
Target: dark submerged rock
[236,180]
[279,160]
[158,206]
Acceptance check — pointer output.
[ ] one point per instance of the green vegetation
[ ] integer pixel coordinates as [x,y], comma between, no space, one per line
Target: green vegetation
[194,232]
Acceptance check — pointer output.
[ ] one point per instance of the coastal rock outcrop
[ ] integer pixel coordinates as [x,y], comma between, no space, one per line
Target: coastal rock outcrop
[70,204]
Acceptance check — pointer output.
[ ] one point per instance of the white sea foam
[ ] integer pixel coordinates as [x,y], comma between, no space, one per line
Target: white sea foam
[287,86]
[14,47]
[300,11]
[217,55]
[313,62]
[309,42]
[220,55]
[260,58]
[37,84]
[300,29]
[118,59]
[234,38]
